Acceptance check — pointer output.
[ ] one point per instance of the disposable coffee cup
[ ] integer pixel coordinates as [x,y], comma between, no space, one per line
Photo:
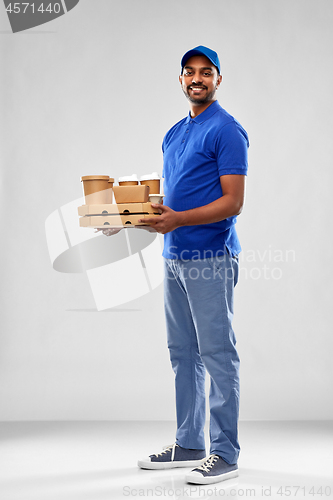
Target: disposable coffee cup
[151,180]
[110,190]
[156,198]
[128,180]
[95,189]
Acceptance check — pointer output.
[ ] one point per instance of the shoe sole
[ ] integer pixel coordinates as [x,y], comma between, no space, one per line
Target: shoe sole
[170,465]
[210,479]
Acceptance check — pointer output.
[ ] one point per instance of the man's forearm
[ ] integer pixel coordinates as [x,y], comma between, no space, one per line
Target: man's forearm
[218,210]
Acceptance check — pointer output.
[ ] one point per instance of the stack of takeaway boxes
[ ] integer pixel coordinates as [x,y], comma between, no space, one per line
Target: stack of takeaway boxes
[107,205]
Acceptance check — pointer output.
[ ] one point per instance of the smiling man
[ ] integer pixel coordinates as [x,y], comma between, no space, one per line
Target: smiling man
[205,164]
[200,93]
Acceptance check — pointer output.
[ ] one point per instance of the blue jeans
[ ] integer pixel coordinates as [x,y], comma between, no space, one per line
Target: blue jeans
[199,312]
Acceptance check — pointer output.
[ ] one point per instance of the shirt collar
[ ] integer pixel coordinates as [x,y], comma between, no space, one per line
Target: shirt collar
[205,115]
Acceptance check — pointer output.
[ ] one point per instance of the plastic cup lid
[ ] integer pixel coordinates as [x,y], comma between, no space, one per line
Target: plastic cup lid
[127,178]
[150,177]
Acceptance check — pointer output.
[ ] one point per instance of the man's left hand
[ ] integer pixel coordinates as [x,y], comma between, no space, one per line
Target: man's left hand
[166,222]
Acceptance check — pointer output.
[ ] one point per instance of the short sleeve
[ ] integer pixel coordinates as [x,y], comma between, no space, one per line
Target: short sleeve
[231,147]
[163,157]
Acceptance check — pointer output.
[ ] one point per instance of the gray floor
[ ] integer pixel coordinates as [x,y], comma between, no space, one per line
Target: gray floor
[97,461]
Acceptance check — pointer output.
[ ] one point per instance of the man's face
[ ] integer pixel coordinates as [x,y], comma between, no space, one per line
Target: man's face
[199,80]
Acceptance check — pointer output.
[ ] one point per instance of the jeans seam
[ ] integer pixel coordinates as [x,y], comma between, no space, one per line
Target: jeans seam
[190,429]
[228,359]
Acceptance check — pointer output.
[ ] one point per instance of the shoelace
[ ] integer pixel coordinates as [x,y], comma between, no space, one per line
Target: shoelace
[171,448]
[208,464]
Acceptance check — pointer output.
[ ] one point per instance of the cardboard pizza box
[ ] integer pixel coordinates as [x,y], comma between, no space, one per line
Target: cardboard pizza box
[105,221]
[120,208]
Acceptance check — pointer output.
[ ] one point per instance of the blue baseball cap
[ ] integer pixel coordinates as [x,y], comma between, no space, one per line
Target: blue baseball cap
[202,51]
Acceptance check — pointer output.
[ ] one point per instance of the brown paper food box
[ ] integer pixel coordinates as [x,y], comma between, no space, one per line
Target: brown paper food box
[131,194]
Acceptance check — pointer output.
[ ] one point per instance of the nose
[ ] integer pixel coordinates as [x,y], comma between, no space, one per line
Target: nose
[196,78]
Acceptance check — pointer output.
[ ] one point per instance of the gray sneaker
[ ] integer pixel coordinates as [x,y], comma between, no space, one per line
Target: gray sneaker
[173,456]
[213,470]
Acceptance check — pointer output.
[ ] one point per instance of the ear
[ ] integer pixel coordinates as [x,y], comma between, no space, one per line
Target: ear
[180,79]
[219,81]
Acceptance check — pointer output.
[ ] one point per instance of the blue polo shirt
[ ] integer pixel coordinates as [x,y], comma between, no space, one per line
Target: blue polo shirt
[196,152]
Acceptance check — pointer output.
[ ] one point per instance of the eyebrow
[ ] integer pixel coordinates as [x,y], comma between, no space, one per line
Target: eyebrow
[205,67]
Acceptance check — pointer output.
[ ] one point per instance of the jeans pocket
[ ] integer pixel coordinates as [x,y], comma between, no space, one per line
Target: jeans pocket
[218,263]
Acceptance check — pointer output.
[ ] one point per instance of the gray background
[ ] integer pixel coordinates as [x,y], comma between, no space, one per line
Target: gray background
[94,92]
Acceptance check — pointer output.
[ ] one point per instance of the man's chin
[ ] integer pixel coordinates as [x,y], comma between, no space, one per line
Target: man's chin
[200,100]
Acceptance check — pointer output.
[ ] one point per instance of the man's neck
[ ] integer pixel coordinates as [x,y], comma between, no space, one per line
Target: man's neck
[197,109]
